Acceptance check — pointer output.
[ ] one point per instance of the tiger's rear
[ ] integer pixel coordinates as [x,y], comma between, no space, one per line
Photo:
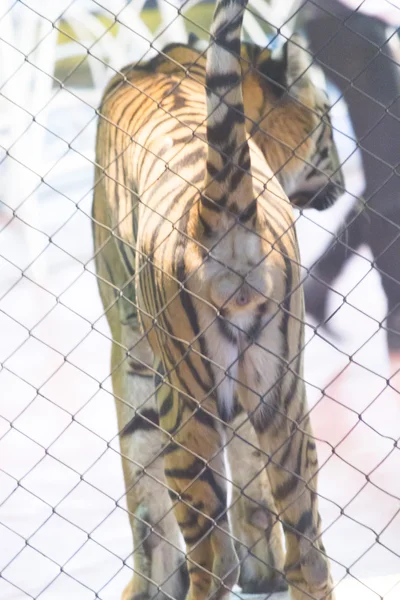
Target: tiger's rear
[195,238]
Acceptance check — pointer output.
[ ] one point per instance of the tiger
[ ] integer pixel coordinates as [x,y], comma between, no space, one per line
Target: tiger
[200,158]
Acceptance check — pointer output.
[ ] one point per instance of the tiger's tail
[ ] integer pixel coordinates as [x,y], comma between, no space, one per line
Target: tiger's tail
[228,183]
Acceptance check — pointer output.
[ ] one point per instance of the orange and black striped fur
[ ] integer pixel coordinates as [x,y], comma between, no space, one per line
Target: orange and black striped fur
[194,237]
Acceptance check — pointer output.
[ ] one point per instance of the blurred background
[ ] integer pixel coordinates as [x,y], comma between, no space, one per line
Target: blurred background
[64,529]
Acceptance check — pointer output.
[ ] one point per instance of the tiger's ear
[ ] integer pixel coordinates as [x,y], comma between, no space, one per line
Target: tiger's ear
[293,61]
[299,60]
[287,67]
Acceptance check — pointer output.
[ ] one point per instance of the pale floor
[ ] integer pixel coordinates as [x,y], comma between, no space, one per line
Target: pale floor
[61,487]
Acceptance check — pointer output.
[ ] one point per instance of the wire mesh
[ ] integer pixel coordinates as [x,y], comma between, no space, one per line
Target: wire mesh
[64,504]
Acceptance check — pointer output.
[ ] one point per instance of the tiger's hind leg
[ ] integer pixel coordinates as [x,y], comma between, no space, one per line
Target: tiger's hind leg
[195,473]
[159,565]
[292,468]
[253,514]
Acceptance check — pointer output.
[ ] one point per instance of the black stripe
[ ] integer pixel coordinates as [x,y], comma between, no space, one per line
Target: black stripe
[289,486]
[265,414]
[288,451]
[219,175]
[232,46]
[166,405]
[158,379]
[238,175]
[146,420]
[170,448]
[212,205]
[207,229]
[217,516]
[237,408]
[227,330]
[204,417]
[209,477]
[221,5]
[185,496]
[217,133]
[109,275]
[244,157]
[193,539]
[191,157]
[291,393]
[255,329]
[191,521]
[225,80]
[305,523]
[127,262]
[137,368]
[188,306]
[192,472]
[285,489]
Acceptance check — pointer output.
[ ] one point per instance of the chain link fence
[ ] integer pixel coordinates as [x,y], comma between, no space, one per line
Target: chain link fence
[64,512]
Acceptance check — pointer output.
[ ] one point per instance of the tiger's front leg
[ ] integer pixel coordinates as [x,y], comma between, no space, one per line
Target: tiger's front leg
[195,473]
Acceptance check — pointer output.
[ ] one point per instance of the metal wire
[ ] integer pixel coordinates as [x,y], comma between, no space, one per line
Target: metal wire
[8,516]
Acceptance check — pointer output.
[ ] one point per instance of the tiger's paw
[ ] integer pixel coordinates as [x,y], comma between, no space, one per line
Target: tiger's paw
[140,589]
[277,583]
[302,591]
[312,580]
[130,593]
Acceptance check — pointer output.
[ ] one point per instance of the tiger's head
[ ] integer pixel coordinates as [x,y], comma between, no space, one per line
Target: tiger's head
[287,115]
[288,118]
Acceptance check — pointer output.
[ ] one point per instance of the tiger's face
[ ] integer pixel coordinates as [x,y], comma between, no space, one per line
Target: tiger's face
[288,118]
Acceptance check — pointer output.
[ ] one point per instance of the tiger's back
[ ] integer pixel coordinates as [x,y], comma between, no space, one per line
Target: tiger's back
[151,136]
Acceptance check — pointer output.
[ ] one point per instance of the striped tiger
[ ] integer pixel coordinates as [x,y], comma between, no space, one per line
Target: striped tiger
[199,273]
